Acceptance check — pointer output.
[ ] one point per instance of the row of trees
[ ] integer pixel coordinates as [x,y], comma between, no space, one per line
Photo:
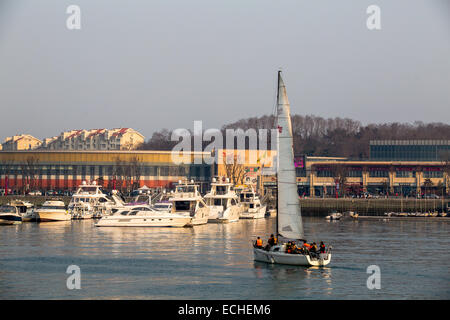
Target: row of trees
[317,136]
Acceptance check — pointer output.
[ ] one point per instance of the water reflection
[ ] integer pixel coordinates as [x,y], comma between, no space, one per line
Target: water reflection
[215,261]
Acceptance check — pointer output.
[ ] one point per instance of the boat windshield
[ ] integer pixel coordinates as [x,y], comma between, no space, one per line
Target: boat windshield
[162,206]
[221,190]
[47,207]
[89,189]
[185,189]
[7,209]
[183,205]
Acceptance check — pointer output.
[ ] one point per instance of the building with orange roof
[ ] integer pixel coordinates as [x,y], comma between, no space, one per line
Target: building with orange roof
[95,139]
[20,142]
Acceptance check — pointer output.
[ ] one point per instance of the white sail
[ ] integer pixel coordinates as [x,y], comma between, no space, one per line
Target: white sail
[289,216]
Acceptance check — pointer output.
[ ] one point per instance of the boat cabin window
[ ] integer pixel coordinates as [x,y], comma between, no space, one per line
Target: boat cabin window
[217,202]
[142,209]
[7,209]
[221,189]
[124,213]
[185,189]
[251,206]
[182,205]
[163,206]
[22,209]
[132,213]
[102,200]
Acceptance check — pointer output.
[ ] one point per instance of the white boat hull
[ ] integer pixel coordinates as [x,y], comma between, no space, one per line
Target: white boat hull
[253,214]
[291,259]
[7,219]
[53,216]
[231,214]
[126,221]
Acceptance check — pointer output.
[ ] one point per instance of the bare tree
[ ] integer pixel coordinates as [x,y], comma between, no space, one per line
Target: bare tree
[235,170]
[340,173]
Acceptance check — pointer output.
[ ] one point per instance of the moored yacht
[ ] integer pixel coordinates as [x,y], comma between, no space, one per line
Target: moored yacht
[187,201]
[90,202]
[251,207]
[26,210]
[223,201]
[143,216]
[10,215]
[52,210]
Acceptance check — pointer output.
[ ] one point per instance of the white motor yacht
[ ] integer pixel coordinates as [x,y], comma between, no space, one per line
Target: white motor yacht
[163,206]
[90,202]
[10,215]
[223,201]
[26,210]
[251,207]
[52,210]
[143,216]
[187,201]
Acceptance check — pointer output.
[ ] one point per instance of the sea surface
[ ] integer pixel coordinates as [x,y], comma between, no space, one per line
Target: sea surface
[215,261]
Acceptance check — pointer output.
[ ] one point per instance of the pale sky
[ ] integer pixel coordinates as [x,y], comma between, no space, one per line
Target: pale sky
[159,64]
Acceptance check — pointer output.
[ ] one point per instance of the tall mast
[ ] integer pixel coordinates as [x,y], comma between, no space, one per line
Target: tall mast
[276,174]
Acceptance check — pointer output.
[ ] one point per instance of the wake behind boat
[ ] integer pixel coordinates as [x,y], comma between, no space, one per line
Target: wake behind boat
[289,226]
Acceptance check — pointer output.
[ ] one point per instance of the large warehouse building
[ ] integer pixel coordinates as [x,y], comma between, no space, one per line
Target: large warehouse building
[23,171]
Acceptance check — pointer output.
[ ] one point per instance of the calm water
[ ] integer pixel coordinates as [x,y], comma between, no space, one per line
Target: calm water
[215,261]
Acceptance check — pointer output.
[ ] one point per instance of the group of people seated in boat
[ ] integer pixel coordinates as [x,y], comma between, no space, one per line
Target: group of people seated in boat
[291,247]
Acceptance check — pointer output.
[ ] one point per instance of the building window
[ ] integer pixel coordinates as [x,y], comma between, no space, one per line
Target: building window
[300,172]
[324,173]
[404,174]
[433,174]
[378,173]
[164,171]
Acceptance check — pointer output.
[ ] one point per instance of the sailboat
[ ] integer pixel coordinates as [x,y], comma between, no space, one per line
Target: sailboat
[289,226]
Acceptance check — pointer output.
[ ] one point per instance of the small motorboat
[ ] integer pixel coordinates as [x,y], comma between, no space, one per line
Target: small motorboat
[10,215]
[334,216]
[53,210]
[26,210]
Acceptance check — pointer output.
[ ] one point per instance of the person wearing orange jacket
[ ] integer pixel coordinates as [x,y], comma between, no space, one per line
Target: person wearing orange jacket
[258,243]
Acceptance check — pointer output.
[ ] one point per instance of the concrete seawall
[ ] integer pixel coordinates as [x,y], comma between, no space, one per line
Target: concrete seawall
[323,207]
[318,207]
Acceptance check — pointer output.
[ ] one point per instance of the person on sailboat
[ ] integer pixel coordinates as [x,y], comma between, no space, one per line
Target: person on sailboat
[258,243]
[322,247]
[306,246]
[313,250]
[272,240]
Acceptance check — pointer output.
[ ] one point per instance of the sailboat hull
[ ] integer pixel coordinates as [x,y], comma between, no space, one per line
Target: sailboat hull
[290,259]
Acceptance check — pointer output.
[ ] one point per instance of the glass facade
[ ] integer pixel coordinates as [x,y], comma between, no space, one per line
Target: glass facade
[410,150]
